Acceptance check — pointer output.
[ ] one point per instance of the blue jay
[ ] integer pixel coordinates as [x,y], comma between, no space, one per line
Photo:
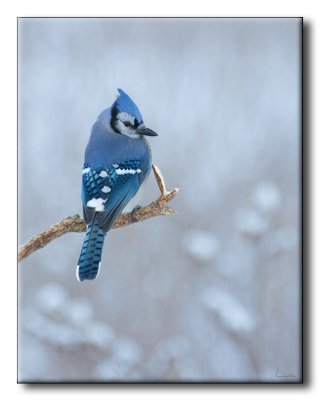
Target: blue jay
[117,162]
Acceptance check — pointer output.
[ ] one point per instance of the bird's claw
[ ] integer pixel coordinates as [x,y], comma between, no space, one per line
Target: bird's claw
[133,213]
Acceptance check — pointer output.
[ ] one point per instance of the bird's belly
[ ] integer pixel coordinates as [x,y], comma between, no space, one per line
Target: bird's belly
[136,198]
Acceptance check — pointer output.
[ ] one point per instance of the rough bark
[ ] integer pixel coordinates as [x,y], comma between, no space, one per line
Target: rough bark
[76,224]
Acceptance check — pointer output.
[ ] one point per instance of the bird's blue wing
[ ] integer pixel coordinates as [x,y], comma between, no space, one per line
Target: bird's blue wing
[93,181]
[107,191]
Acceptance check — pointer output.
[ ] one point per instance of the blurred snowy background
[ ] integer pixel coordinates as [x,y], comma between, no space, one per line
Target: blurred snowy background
[212,293]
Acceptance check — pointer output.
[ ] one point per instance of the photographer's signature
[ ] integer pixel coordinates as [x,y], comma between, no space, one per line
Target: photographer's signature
[280,374]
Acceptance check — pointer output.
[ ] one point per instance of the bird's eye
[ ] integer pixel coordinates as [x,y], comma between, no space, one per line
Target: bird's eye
[127,123]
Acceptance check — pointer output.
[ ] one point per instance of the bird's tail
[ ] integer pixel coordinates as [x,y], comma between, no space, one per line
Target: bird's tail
[90,256]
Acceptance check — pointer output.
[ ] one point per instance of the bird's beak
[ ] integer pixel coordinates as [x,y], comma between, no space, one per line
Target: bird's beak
[146,132]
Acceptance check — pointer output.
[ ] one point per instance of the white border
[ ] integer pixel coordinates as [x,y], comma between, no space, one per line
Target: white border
[9,12]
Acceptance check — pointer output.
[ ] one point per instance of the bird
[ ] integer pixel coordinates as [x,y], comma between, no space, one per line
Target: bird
[117,163]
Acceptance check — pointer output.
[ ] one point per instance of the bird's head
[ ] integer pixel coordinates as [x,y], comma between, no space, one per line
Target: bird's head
[126,118]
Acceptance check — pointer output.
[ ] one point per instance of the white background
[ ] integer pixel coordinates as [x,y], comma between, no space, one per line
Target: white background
[308,10]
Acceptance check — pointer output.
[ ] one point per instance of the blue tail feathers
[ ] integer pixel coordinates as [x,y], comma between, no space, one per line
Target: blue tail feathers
[90,256]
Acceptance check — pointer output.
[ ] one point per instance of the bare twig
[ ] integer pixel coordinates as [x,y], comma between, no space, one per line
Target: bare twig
[76,224]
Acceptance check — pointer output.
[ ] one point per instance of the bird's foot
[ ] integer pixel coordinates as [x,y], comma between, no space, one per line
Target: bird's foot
[134,217]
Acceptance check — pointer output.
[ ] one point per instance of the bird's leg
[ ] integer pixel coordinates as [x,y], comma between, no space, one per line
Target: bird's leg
[133,213]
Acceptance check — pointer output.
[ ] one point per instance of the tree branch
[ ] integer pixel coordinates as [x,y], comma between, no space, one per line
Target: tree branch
[76,224]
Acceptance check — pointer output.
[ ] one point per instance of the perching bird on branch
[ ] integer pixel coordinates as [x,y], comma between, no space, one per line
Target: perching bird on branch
[117,163]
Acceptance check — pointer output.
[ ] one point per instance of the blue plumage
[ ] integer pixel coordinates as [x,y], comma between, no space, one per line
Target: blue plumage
[117,161]
[90,257]
[124,103]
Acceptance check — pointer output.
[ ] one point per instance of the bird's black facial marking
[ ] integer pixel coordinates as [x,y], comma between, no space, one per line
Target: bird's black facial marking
[114,113]
[124,124]
[136,123]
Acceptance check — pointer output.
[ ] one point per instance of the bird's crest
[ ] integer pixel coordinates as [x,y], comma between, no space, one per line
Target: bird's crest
[125,104]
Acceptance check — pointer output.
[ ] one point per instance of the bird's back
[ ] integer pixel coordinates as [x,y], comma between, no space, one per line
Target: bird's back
[106,148]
